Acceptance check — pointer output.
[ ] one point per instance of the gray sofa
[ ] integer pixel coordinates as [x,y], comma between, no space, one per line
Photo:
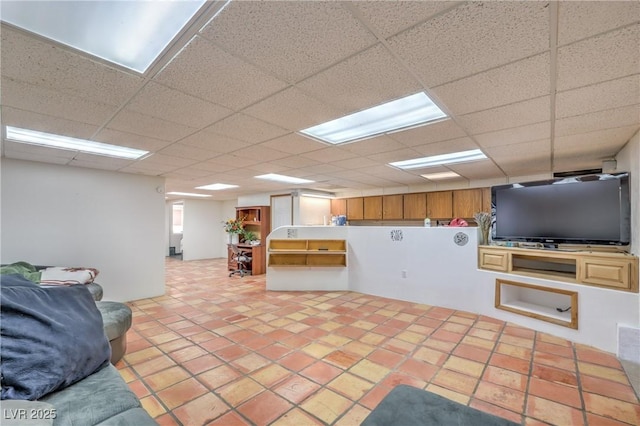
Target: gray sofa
[35,316]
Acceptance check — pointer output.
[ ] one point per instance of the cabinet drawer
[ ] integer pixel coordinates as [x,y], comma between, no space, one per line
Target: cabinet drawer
[605,272]
[494,260]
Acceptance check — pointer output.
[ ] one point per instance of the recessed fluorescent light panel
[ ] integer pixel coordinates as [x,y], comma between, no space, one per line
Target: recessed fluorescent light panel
[216,186]
[403,113]
[188,194]
[50,140]
[441,175]
[127,33]
[436,160]
[283,178]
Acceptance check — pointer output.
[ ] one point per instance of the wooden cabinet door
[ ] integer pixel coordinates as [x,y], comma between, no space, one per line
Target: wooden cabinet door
[373,208]
[415,205]
[467,202]
[338,206]
[392,207]
[355,208]
[486,200]
[439,205]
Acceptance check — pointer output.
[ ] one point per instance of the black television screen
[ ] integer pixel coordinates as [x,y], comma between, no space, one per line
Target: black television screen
[592,209]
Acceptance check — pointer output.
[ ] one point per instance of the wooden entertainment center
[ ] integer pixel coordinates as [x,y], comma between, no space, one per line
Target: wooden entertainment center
[610,270]
[618,271]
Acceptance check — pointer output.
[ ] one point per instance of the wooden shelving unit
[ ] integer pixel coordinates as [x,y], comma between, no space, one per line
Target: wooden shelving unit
[301,252]
[544,303]
[618,271]
[258,220]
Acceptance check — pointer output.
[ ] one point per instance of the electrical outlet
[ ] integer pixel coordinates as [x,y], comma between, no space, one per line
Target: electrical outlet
[403,273]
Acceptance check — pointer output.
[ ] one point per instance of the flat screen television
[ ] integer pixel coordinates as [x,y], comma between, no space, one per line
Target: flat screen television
[592,209]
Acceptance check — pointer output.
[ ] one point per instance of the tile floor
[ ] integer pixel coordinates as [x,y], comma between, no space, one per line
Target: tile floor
[223,351]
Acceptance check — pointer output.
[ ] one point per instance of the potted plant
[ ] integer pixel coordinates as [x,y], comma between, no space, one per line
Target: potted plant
[234,228]
[248,236]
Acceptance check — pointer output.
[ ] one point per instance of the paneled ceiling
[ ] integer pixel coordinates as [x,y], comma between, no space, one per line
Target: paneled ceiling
[537,86]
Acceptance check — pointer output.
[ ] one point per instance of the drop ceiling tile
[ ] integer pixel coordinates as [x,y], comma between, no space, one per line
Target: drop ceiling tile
[476,170]
[130,140]
[145,125]
[213,142]
[208,72]
[322,168]
[367,79]
[508,116]
[389,18]
[262,153]
[376,145]
[210,167]
[46,123]
[329,154]
[163,159]
[295,162]
[472,38]
[246,128]
[582,19]
[445,147]
[36,153]
[148,169]
[294,143]
[34,61]
[290,39]
[355,163]
[99,162]
[602,96]
[188,152]
[398,155]
[172,105]
[590,61]
[42,100]
[532,149]
[191,172]
[235,160]
[619,117]
[514,135]
[525,167]
[270,167]
[515,82]
[436,132]
[292,109]
[601,143]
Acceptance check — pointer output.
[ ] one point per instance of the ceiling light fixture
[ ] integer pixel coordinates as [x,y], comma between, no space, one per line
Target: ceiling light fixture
[317,194]
[128,33]
[436,160]
[283,178]
[216,186]
[410,111]
[51,140]
[188,194]
[441,175]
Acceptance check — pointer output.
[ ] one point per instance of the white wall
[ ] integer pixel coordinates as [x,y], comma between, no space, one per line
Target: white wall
[202,230]
[72,216]
[313,211]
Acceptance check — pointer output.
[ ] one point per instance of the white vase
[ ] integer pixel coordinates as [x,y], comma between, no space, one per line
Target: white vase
[234,238]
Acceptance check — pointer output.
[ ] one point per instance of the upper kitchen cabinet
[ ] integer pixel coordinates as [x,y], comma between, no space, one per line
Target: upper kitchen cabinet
[355,208]
[439,204]
[415,205]
[373,208]
[467,202]
[392,207]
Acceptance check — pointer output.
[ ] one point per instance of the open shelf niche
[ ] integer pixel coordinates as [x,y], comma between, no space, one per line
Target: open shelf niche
[544,303]
[299,252]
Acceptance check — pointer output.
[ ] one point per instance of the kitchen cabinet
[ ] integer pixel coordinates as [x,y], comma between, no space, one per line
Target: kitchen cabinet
[467,202]
[415,205]
[355,208]
[338,206]
[392,207]
[439,205]
[372,208]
